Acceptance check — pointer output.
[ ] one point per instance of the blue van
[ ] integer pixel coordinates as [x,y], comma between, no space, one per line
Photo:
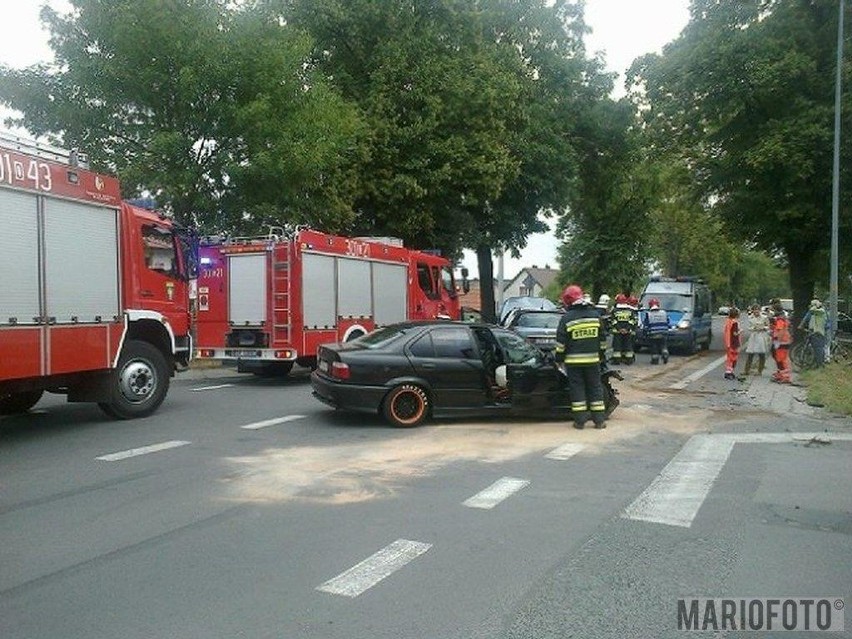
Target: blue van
[688,302]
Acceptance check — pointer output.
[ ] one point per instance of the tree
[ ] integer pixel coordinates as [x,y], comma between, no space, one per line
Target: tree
[745,99]
[207,105]
[607,225]
[471,108]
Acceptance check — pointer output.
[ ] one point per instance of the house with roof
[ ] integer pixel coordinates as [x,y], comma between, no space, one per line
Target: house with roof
[529,282]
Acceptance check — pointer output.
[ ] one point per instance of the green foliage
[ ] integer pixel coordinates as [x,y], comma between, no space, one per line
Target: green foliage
[607,225]
[744,99]
[206,105]
[471,108]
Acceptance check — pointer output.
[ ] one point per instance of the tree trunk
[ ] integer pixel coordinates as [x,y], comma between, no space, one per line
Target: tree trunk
[801,281]
[486,283]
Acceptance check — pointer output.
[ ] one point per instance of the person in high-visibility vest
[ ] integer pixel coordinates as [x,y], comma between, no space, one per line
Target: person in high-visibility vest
[732,341]
[781,341]
[623,321]
[578,346]
[656,326]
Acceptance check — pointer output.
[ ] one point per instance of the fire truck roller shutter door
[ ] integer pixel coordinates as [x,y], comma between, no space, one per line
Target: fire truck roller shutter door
[390,293]
[247,289]
[19,255]
[354,297]
[81,286]
[318,285]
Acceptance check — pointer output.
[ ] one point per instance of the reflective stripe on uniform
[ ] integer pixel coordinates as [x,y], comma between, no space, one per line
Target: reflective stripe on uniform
[581,406]
[597,407]
[583,322]
[582,358]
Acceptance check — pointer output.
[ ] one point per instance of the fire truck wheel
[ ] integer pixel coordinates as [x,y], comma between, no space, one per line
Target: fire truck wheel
[406,405]
[14,403]
[139,383]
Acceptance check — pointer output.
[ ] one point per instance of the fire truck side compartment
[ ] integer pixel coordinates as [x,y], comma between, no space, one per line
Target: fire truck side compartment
[390,293]
[354,297]
[81,286]
[247,289]
[318,287]
[19,301]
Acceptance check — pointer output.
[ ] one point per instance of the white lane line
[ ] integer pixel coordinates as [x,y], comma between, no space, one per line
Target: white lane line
[372,570]
[496,492]
[272,422]
[700,373]
[678,492]
[566,451]
[135,452]
[207,388]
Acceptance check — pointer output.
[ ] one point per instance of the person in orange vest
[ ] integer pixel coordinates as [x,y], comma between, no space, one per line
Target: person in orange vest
[732,342]
[781,341]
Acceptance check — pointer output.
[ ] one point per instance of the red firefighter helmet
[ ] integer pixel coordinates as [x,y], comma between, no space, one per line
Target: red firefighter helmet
[654,303]
[571,294]
[621,298]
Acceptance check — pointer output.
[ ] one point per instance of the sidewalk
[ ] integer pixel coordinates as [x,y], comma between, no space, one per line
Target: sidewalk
[789,399]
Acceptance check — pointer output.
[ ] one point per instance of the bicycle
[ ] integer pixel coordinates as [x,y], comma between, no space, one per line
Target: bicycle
[803,357]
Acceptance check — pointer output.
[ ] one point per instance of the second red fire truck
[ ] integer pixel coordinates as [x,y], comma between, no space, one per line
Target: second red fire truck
[270,302]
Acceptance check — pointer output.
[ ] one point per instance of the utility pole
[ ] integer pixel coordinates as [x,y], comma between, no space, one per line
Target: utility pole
[835,185]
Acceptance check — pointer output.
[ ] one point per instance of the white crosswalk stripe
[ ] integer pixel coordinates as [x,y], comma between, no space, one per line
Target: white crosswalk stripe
[676,495]
[375,568]
[496,493]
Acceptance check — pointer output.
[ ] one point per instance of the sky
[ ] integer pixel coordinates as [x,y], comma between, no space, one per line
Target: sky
[622,30]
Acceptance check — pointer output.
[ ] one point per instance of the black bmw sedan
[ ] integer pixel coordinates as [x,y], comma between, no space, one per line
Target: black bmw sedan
[410,371]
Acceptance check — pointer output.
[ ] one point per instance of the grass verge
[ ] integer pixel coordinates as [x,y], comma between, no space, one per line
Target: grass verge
[830,386]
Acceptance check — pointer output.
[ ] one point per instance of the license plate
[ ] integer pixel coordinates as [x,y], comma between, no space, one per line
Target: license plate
[323,365]
[242,352]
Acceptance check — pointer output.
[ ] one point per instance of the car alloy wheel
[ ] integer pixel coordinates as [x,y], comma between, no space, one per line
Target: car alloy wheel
[406,405]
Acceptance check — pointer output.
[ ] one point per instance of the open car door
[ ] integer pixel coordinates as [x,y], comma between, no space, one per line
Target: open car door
[535,384]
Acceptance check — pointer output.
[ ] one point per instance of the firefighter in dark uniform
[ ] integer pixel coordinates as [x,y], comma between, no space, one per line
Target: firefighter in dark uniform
[623,322]
[578,346]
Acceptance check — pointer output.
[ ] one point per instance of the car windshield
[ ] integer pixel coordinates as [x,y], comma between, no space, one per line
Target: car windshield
[539,320]
[380,337]
[516,349]
[669,301]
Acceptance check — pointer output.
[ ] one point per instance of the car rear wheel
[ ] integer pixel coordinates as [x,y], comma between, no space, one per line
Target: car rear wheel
[406,405]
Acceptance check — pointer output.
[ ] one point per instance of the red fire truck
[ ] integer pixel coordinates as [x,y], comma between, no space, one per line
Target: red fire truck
[93,291]
[269,302]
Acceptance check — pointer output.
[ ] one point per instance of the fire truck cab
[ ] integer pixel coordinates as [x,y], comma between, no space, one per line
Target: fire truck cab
[94,293]
[270,302]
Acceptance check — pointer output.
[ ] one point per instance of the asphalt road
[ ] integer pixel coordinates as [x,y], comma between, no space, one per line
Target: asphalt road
[244,508]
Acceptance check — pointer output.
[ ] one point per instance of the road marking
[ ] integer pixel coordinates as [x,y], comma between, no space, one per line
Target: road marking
[678,492]
[272,422]
[675,496]
[135,452]
[700,373]
[207,388]
[375,568]
[495,493]
[566,451]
